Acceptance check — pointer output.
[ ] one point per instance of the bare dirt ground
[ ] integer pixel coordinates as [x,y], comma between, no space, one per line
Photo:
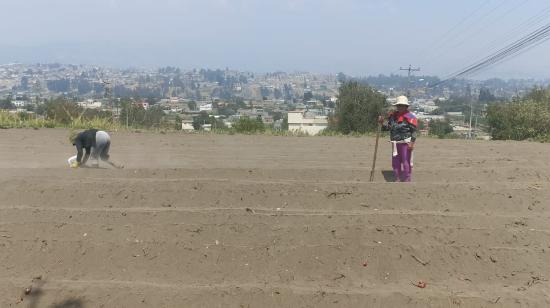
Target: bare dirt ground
[259,221]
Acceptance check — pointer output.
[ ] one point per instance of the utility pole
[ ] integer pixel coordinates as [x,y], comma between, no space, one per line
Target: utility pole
[409,70]
[471,114]
[109,96]
[127,112]
[475,126]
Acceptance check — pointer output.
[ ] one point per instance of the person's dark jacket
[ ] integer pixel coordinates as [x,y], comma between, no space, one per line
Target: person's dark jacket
[401,126]
[84,140]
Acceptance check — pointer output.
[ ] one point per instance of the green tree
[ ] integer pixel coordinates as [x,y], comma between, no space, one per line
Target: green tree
[41,109]
[421,125]
[192,105]
[284,125]
[539,94]
[151,100]
[153,117]
[248,125]
[358,108]
[200,120]
[178,122]
[6,104]
[62,111]
[485,96]
[440,128]
[134,115]
[454,104]
[228,110]
[240,103]
[30,107]
[277,116]
[528,118]
[218,124]
[341,77]
[438,111]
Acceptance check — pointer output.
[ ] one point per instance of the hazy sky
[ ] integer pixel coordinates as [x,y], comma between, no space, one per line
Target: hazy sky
[358,37]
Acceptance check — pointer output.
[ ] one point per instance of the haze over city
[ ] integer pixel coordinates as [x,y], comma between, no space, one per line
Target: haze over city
[328,36]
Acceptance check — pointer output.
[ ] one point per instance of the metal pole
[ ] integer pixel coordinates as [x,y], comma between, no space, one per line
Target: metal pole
[475,126]
[471,113]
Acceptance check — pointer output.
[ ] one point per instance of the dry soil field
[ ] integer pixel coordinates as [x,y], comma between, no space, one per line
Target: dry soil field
[259,221]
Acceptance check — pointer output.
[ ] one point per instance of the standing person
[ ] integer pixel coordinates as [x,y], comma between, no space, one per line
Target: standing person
[402,125]
[96,143]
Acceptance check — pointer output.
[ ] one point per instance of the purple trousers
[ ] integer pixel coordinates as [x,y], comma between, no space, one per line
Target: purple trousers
[402,163]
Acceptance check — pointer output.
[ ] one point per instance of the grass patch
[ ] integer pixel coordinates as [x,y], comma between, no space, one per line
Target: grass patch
[24,120]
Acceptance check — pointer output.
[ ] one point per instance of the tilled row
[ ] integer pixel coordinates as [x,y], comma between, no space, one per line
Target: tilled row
[235,226]
[246,247]
[513,198]
[116,293]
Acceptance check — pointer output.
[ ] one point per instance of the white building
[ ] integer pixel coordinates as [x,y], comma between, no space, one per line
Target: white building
[299,121]
[430,117]
[426,105]
[228,123]
[90,104]
[455,114]
[187,125]
[205,107]
[19,103]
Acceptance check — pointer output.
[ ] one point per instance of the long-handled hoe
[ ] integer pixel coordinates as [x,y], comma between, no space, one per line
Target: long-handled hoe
[375,152]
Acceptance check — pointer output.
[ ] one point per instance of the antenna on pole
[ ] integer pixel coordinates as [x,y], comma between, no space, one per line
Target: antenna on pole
[409,70]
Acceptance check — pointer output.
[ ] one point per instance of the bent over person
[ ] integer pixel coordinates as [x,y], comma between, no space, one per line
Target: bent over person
[402,125]
[96,143]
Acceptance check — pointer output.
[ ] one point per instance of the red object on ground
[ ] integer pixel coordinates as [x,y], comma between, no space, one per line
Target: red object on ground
[421,284]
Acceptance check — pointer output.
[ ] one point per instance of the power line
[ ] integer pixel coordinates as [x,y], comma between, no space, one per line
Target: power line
[525,43]
[443,38]
[513,54]
[512,49]
[464,34]
[532,37]
[492,21]
[511,35]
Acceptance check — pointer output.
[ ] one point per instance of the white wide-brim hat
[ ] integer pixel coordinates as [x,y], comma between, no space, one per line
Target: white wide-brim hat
[402,100]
